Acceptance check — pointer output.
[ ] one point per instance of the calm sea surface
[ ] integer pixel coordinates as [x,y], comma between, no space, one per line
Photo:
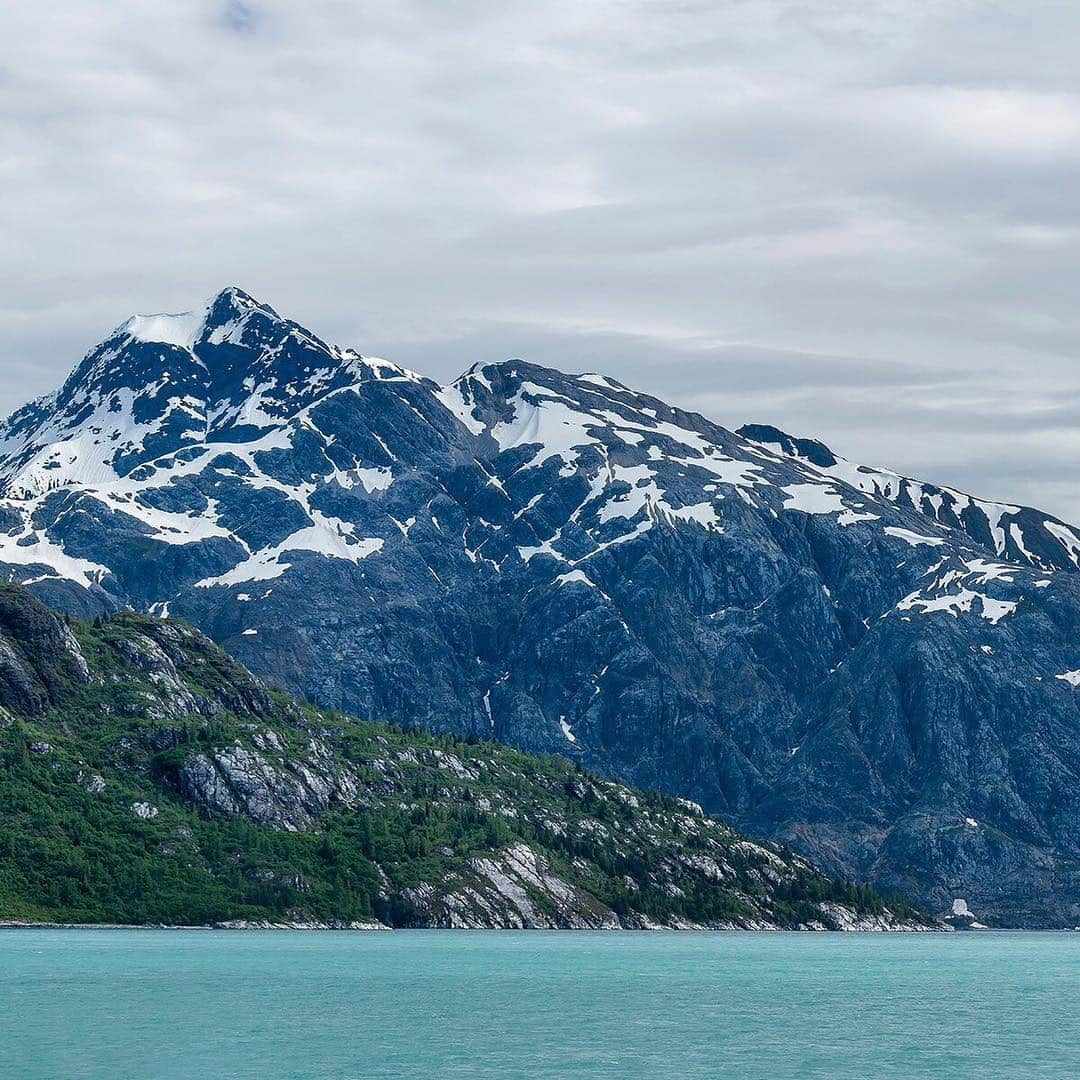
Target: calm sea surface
[140,1004]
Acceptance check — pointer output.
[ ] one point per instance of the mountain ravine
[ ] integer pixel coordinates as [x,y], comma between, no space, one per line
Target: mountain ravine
[146,777]
[880,672]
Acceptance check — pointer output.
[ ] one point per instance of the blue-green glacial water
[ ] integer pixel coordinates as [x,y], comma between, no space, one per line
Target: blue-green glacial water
[141,1004]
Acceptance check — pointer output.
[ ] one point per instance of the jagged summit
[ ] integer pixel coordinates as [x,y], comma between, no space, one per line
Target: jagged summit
[161,384]
[1019,534]
[855,662]
[232,303]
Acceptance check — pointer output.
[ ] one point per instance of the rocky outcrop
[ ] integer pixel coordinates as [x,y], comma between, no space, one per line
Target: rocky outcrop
[515,889]
[289,793]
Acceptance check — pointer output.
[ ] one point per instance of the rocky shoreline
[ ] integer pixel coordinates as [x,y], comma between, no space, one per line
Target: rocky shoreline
[855,924]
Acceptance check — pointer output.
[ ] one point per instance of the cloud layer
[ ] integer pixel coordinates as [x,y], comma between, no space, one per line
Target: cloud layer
[856,220]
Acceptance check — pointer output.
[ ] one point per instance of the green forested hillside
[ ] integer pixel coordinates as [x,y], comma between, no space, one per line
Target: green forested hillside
[145,777]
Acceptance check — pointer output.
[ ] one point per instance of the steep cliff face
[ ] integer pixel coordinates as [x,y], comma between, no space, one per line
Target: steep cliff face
[147,777]
[856,662]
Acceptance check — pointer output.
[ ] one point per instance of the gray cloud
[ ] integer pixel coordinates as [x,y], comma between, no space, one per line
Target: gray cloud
[858,220]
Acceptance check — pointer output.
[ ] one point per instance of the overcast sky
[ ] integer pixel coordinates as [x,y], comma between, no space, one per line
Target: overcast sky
[856,220]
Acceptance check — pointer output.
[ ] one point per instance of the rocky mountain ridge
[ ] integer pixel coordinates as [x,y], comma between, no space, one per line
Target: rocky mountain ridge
[1016,534]
[878,671]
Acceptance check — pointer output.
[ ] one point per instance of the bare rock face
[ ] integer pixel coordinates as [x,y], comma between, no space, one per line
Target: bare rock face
[39,657]
[288,793]
[851,661]
[514,889]
[93,782]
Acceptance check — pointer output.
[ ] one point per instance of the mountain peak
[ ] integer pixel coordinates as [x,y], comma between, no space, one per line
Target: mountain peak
[234,294]
[232,304]
[184,329]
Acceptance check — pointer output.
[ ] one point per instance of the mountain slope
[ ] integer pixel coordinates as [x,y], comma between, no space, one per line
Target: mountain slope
[859,666]
[146,777]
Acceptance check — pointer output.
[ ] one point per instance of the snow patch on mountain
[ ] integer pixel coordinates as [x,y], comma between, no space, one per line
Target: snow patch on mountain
[326,536]
[913,538]
[30,548]
[954,591]
[811,498]
[453,399]
[181,329]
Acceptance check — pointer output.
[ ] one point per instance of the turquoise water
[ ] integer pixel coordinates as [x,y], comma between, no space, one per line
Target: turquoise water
[141,1004]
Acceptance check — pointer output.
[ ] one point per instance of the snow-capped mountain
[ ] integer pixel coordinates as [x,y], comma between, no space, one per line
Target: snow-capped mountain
[879,671]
